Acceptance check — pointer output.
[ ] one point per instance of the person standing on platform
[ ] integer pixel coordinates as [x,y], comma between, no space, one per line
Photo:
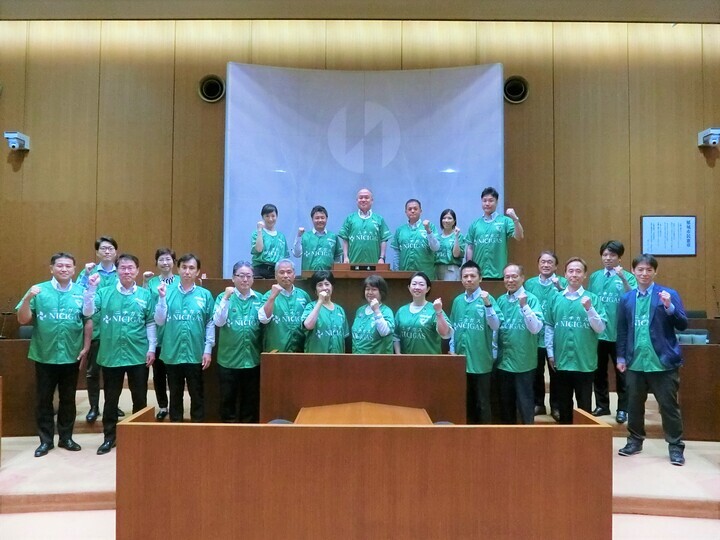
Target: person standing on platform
[545,286]
[420,325]
[165,261]
[186,311]
[238,358]
[487,236]
[415,243]
[517,346]
[574,319]
[321,248]
[106,251]
[59,347]
[281,311]
[324,321]
[474,318]
[609,284]
[374,324]
[449,255]
[364,233]
[267,245]
[127,340]
[649,354]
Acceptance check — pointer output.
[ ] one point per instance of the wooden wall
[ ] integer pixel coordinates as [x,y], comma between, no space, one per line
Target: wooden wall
[122,145]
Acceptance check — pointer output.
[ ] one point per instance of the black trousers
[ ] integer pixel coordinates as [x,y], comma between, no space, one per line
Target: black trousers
[48,377]
[477,398]
[539,384]
[665,385]
[579,383]
[178,375]
[516,396]
[239,394]
[160,380]
[605,351]
[92,374]
[113,378]
[266,271]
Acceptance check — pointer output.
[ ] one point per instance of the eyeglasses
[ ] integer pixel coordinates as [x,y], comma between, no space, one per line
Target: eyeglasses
[243,276]
[106,248]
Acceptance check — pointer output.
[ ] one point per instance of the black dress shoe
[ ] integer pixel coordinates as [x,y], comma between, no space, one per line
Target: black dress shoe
[555,415]
[120,412]
[600,411]
[540,409]
[92,414]
[162,413]
[43,449]
[69,444]
[621,417]
[677,457]
[631,448]
[105,447]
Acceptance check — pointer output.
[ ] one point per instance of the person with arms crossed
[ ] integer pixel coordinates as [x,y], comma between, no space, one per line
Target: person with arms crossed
[364,233]
[420,325]
[267,245]
[319,249]
[415,243]
[325,323]
[58,347]
[449,255]
[649,354]
[374,324]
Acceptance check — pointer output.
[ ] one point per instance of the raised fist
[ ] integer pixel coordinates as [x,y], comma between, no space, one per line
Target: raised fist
[228,292]
[437,305]
[522,299]
[586,303]
[89,266]
[301,231]
[148,274]
[162,289]
[511,214]
[260,225]
[94,280]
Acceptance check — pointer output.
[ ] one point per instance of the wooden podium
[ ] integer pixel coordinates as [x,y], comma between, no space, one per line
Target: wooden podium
[363,413]
[341,270]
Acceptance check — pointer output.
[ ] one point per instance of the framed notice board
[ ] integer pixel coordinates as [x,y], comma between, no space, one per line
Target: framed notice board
[673,236]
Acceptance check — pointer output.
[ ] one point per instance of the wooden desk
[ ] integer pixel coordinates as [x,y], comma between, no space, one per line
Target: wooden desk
[700,392]
[363,413]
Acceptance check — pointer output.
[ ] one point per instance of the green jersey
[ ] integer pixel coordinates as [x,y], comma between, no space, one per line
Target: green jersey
[471,334]
[609,289]
[364,236]
[517,346]
[58,324]
[241,334]
[152,285]
[186,325]
[365,337]
[644,357]
[107,279]
[320,251]
[444,255]
[123,325]
[544,291]
[284,331]
[274,248]
[331,329]
[413,248]
[417,332]
[489,242]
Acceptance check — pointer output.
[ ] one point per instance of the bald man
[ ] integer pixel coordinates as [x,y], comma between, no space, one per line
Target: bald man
[364,233]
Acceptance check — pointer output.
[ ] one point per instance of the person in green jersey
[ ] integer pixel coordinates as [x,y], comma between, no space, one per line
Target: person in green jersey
[281,311]
[449,255]
[364,233]
[609,284]
[165,260]
[238,358]
[186,311]
[106,252]
[59,347]
[487,236]
[474,318]
[420,325]
[325,322]
[127,340]
[649,354]
[319,249]
[267,245]
[517,346]
[544,286]
[374,324]
[416,242]
[574,319]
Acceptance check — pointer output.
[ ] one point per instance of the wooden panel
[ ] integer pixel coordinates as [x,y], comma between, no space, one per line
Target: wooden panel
[202,48]
[432,44]
[364,45]
[592,160]
[135,135]
[18,401]
[299,44]
[700,387]
[526,49]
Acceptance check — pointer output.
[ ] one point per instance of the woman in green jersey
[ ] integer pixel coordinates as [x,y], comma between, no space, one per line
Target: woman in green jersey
[267,245]
[374,322]
[324,321]
[452,246]
[420,325]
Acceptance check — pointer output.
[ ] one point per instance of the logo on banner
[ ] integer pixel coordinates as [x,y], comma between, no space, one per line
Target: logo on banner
[364,138]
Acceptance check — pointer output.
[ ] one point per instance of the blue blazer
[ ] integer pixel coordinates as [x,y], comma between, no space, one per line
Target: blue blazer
[662,327]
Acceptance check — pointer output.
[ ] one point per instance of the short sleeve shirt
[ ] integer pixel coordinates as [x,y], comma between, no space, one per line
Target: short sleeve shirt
[489,241]
[331,329]
[364,236]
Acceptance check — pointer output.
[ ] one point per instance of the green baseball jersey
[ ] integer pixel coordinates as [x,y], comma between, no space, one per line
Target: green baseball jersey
[364,236]
[187,317]
[517,346]
[319,252]
[107,279]
[609,289]
[274,248]
[365,337]
[544,293]
[284,332]
[411,243]
[123,321]
[489,242]
[58,324]
[331,329]
[417,332]
[241,335]
[471,334]
[644,356]
[575,342]
[444,255]
[152,285]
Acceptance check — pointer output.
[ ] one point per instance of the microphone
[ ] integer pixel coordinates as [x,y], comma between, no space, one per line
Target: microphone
[717,303]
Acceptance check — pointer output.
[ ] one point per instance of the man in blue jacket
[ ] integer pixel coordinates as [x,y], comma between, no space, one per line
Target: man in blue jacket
[648,353]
